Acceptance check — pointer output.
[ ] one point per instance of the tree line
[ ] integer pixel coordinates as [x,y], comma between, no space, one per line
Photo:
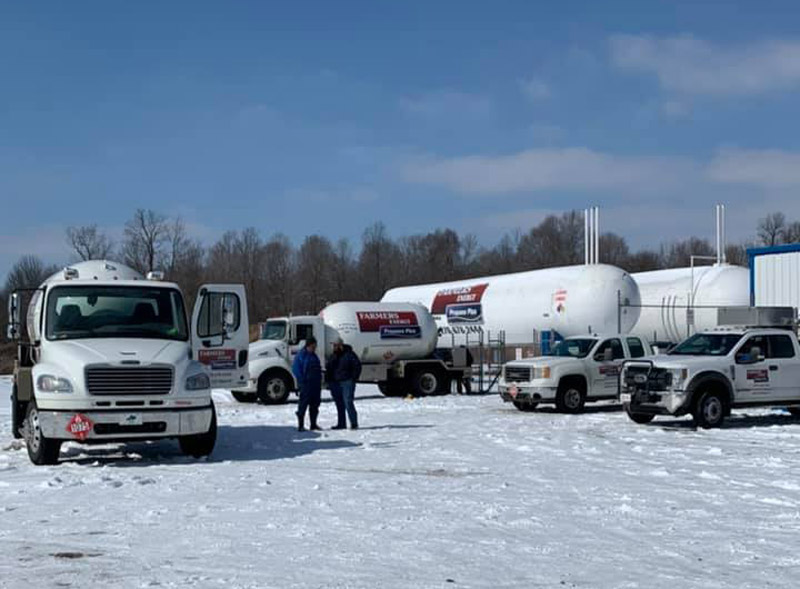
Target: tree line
[282,278]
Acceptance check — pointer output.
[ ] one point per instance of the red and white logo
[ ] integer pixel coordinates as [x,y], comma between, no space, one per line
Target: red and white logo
[80,426]
[457,296]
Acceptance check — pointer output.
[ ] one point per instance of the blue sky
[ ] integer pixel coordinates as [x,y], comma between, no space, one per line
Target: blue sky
[305,117]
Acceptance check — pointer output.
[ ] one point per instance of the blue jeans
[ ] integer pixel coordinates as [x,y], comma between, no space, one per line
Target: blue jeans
[338,398]
[348,393]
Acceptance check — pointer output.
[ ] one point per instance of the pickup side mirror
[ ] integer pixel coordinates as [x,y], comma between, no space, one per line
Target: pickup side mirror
[607,355]
[13,327]
[753,357]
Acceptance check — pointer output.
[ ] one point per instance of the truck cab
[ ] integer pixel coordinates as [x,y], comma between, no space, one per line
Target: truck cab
[270,378]
[576,370]
[108,355]
[715,371]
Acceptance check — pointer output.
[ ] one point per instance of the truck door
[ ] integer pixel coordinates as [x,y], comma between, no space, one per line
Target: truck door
[221,333]
[784,368]
[605,372]
[300,332]
[754,380]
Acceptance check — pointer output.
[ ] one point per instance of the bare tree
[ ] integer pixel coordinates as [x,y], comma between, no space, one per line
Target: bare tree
[89,243]
[378,255]
[771,228]
[145,236]
[614,250]
[792,233]
[279,260]
[28,272]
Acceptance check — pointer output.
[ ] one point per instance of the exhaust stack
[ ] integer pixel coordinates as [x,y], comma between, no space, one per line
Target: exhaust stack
[591,235]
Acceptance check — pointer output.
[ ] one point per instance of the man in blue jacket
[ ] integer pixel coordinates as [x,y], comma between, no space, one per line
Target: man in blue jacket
[346,372]
[308,372]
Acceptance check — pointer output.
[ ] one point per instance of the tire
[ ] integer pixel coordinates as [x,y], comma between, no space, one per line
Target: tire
[200,445]
[244,397]
[709,410]
[525,407]
[18,414]
[273,388]
[41,450]
[571,396]
[640,418]
[427,382]
[392,388]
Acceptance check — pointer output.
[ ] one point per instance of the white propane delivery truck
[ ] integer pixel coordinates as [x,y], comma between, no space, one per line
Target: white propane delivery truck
[107,355]
[394,341]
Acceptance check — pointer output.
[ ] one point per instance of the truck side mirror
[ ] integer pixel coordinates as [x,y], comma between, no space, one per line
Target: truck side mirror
[608,355]
[750,358]
[13,327]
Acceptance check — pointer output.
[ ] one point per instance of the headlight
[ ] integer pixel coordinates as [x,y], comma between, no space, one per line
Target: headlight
[198,382]
[541,372]
[679,376]
[47,383]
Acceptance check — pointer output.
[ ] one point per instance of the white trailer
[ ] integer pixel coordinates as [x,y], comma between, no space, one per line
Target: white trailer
[573,300]
[110,356]
[395,342]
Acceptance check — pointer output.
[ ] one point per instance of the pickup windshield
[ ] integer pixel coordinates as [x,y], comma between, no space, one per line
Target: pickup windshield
[573,348]
[706,344]
[91,311]
[274,330]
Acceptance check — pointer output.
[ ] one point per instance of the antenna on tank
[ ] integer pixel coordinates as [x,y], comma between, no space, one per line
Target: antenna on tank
[720,217]
[591,235]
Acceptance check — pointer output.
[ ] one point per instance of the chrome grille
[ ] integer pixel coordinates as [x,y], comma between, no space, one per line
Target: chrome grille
[129,380]
[517,374]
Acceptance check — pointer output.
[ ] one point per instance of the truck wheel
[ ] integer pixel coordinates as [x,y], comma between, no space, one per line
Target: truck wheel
[273,388]
[570,397]
[641,418]
[526,407]
[709,410]
[392,388]
[427,382]
[200,445]
[41,450]
[244,397]
[18,412]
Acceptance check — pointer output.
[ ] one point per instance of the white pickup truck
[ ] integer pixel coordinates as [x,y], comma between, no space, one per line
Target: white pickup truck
[712,372]
[108,355]
[577,370]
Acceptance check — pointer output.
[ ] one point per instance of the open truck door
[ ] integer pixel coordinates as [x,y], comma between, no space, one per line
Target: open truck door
[221,333]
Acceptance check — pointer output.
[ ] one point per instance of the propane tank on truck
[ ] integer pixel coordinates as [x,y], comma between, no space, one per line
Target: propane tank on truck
[394,341]
[571,300]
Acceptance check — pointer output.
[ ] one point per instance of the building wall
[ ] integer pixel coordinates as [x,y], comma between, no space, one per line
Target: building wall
[775,276]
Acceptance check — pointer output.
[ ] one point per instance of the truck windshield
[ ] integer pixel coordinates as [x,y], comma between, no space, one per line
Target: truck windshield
[275,330]
[92,311]
[573,348]
[706,344]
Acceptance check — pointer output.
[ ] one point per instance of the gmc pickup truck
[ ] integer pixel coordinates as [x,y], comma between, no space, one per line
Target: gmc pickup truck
[577,370]
[715,371]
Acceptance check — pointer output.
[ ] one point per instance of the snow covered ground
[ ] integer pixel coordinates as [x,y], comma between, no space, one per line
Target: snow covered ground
[441,492]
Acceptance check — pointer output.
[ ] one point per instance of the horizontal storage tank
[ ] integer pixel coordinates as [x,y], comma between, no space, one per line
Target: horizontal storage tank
[666,294]
[382,332]
[572,300]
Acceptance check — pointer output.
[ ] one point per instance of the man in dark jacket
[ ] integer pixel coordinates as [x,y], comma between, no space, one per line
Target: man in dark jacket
[308,372]
[334,386]
[347,371]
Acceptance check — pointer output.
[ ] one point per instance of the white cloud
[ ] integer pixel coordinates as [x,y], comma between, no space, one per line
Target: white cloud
[770,168]
[446,102]
[535,89]
[575,168]
[689,65]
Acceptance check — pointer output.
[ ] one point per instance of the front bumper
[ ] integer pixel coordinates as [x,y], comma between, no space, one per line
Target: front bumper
[114,425]
[655,402]
[250,387]
[526,393]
